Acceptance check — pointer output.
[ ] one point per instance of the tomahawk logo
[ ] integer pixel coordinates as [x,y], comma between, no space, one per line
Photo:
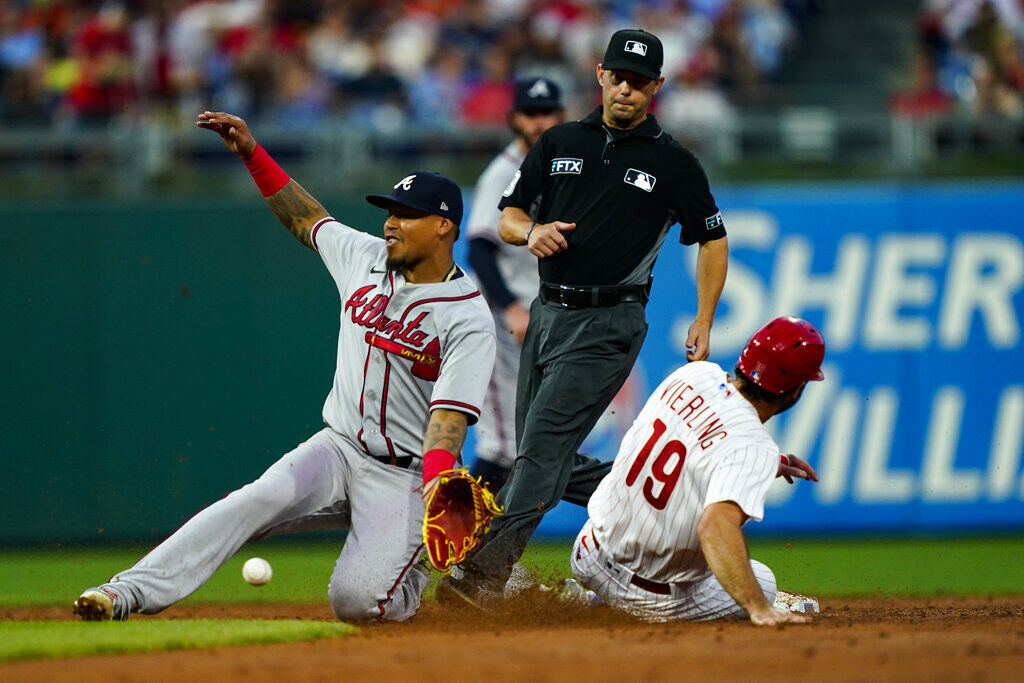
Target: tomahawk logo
[636,47]
[562,166]
[645,181]
[406,182]
[539,89]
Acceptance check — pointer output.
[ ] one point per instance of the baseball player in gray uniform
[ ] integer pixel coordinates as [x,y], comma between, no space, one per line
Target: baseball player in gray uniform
[664,538]
[415,350]
[508,276]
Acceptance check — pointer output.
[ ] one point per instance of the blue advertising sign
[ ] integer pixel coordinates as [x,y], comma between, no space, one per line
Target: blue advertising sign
[919,293]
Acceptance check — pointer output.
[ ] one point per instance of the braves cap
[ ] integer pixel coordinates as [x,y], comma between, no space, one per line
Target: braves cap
[537,93]
[634,50]
[424,191]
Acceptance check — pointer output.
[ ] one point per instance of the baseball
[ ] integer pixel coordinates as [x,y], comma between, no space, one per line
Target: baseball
[256,571]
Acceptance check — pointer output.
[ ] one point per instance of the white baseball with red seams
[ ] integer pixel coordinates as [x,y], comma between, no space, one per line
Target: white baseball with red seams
[257,572]
[697,441]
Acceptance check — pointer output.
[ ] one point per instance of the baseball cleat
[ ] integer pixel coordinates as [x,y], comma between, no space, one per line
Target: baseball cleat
[452,590]
[796,603]
[574,592]
[94,604]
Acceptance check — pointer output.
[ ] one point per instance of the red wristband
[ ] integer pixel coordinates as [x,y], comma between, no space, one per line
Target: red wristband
[436,461]
[269,177]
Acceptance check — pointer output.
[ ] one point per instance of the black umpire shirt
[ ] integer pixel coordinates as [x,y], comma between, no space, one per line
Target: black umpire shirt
[624,189]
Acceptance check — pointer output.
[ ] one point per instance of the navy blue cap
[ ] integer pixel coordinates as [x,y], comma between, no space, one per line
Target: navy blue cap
[634,50]
[424,191]
[537,93]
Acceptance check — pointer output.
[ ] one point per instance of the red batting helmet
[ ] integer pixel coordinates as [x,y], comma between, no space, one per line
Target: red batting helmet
[783,354]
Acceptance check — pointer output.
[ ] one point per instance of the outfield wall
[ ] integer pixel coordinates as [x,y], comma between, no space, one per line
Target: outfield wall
[160,355]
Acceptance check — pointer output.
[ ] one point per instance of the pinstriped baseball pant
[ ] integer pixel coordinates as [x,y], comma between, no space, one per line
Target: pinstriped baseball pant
[700,600]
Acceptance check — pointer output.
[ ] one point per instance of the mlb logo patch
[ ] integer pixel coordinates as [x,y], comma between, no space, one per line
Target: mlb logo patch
[714,221]
[566,166]
[645,181]
[636,47]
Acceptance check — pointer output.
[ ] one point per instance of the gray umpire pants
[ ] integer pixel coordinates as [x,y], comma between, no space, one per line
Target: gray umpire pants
[573,363]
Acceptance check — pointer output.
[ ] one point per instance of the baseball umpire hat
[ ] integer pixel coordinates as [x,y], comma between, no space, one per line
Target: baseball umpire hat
[537,93]
[783,354]
[634,50]
[424,191]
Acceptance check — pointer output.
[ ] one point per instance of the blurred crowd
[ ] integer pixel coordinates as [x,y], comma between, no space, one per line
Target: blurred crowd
[969,56]
[381,64]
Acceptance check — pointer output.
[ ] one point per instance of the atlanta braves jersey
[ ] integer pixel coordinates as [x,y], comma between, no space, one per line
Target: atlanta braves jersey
[518,267]
[403,349]
[697,441]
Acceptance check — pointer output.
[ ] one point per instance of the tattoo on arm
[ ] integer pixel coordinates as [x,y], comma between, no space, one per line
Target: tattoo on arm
[446,429]
[297,211]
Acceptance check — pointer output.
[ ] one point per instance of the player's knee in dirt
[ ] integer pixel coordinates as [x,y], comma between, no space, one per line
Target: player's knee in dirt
[352,603]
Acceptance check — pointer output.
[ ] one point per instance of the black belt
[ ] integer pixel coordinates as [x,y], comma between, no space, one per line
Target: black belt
[569,296]
[651,586]
[401,461]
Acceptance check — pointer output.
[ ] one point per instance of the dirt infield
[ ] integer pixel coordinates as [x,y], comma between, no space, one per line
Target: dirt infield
[909,639]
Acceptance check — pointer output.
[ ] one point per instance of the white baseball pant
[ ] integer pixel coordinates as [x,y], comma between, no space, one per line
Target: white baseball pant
[700,600]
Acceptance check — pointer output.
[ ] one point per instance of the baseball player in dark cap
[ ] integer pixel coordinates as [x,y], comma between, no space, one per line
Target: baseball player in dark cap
[415,349]
[593,201]
[507,275]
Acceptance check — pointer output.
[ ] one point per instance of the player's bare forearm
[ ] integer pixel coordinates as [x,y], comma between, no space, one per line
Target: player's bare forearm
[446,430]
[725,549]
[712,266]
[513,226]
[297,211]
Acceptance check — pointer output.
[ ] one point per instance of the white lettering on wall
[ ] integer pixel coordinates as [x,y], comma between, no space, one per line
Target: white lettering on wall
[986,272]
[795,288]
[940,481]
[1005,450]
[874,482]
[894,287]
[837,450]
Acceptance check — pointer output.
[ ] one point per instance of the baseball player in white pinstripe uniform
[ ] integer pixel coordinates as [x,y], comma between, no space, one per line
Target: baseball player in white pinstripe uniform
[507,275]
[415,349]
[664,538]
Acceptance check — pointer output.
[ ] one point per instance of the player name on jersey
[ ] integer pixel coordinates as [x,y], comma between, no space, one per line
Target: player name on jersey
[693,412]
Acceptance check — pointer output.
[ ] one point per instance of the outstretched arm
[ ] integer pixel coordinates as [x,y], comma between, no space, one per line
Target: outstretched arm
[292,205]
[725,549]
[712,264]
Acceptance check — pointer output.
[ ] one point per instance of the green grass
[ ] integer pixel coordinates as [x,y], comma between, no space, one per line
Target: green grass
[846,567]
[47,640]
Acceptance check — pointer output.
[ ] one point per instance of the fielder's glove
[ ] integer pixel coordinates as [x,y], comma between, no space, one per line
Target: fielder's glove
[459,513]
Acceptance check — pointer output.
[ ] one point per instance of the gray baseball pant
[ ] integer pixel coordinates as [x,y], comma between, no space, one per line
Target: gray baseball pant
[326,482]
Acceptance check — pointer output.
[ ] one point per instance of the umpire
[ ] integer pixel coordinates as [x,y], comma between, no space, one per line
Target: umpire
[593,200]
